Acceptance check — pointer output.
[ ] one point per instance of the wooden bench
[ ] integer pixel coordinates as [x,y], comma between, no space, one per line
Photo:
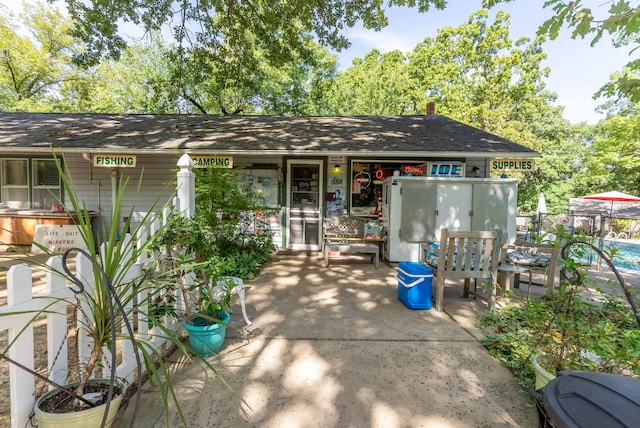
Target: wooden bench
[346,235]
[463,255]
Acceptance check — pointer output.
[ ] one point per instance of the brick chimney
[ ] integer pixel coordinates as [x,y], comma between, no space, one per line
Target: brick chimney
[431,108]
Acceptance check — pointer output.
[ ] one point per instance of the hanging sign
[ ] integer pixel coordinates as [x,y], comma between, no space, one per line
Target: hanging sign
[513,165]
[114,161]
[363,179]
[212,161]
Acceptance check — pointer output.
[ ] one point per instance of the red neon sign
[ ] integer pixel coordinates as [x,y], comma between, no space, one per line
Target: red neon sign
[413,170]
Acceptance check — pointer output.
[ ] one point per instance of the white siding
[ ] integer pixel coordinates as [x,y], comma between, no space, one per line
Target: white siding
[157,188]
[93,186]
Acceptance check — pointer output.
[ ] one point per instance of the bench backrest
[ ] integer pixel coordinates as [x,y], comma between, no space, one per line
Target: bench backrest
[468,254]
[345,226]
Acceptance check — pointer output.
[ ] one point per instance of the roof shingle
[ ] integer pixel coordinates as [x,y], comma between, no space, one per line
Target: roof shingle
[374,135]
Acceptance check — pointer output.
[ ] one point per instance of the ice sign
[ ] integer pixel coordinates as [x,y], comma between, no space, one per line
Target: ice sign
[446,169]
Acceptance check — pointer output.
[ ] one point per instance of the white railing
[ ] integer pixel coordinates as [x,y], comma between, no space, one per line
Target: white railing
[22,306]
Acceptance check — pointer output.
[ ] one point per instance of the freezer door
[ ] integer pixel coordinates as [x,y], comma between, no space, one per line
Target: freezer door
[419,211]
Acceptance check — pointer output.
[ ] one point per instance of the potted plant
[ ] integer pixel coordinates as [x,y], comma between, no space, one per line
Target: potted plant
[203,254]
[207,326]
[107,306]
[191,264]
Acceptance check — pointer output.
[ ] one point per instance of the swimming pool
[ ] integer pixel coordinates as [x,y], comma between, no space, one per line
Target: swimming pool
[628,258]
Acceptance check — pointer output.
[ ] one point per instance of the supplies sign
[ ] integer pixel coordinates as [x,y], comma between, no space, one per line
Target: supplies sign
[513,165]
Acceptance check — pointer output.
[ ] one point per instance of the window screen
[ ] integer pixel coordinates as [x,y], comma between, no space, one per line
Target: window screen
[45,173]
[14,172]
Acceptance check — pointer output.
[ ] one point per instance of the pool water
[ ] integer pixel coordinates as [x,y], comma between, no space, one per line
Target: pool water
[628,258]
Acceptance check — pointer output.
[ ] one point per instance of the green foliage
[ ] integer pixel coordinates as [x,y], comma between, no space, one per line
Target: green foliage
[220,197]
[34,69]
[240,253]
[474,72]
[621,225]
[233,29]
[379,84]
[139,82]
[226,248]
[564,325]
[219,240]
[621,21]
[575,328]
[239,246]
[612,161]
[478,75]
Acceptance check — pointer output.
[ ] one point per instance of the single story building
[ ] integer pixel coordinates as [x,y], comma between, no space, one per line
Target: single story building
[307,167]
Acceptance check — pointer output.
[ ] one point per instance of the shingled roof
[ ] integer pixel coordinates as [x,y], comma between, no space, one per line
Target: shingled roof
[391,136]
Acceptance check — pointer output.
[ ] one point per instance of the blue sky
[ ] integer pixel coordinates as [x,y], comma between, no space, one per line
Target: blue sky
[577,69]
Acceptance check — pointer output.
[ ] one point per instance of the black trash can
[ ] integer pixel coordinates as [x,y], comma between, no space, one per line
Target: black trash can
[589,399]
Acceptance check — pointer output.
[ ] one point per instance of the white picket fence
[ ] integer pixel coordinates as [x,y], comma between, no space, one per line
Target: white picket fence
[22,305]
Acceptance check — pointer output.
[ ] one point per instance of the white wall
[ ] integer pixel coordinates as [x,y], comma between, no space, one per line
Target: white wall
[93,186]
[158,187]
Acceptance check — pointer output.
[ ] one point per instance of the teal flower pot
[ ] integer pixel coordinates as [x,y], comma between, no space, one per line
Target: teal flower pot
[206,339]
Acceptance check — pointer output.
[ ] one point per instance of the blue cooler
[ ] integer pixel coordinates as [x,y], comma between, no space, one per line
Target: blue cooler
[414,285]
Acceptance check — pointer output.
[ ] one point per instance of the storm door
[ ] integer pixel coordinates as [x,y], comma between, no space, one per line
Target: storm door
[304,205]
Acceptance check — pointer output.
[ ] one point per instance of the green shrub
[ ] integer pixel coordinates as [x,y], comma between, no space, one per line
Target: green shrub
[582,333]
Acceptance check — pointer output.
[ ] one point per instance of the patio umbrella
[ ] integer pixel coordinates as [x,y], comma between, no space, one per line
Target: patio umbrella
[612,196]
[542,204]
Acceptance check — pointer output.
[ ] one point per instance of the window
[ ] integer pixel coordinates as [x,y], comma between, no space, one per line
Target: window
[366,182]
[46,183]
[29,184]
[15,183]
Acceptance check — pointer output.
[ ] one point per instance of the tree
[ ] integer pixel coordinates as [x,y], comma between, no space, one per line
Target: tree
[231,40]
[139,82]
[477,74]
[560,170]
[379,84]
[621,22]
[614,162]
[292,88]
[276,28]
[474,72]
[32,72]
[212,82]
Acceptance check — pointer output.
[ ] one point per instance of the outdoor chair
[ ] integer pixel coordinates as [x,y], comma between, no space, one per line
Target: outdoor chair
[463,255]
[536,258]
[239,288]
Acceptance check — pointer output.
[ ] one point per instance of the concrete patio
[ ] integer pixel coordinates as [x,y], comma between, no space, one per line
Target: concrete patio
[336,348]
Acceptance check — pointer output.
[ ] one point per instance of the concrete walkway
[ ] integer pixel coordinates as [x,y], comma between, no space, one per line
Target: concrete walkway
[336,348]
